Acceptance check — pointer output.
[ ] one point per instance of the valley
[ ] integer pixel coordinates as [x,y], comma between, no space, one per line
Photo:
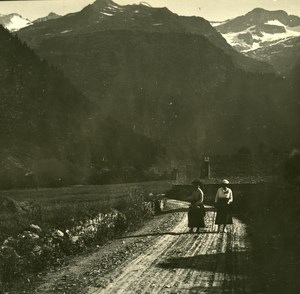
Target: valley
[108,113]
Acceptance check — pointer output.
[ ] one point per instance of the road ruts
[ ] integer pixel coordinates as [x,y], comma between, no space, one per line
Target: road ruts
[181,262]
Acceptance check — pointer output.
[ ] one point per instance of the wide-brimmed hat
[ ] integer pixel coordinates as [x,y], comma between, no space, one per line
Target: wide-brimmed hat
[224,181]
[196,182]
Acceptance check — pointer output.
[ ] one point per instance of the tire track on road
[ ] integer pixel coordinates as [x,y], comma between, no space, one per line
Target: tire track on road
[187,263]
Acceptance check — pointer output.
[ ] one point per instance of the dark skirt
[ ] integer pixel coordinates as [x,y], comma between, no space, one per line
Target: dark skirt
[224,213]
[196,216]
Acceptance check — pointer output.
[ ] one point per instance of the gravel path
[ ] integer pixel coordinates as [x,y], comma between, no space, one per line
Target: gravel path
[161,257]
[180,262]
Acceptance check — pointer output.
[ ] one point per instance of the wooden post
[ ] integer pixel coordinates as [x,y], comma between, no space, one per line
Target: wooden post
[207,167]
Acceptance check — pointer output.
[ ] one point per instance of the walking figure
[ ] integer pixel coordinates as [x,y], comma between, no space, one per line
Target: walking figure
[223,201]
[196,211]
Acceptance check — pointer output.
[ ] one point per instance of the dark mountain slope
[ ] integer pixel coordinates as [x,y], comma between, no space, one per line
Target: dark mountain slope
[49,132]
[50,16]
[38,105]
[152,82]
[294,78]
[173,88]
[257,109]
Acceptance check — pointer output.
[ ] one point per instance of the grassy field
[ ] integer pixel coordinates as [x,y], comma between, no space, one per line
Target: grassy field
[62,207]
[82,216]
[105,193]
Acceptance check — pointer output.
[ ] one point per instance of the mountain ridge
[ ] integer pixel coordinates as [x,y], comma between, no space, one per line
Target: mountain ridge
[51,15]
[178,86]
[107,15]
[264,35]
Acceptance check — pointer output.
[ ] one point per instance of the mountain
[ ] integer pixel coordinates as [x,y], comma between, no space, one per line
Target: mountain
[104,15]
[294,77]
[50,133]
[39,106]
[271,36]
[50,16]
[169,78]
[13,22]
[282,55]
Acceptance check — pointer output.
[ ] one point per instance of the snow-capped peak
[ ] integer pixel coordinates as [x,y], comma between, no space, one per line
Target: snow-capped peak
[105,8]
[14,22]
[258,29]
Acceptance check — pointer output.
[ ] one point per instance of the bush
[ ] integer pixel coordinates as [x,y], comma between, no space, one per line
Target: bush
[135,210]
[35,248]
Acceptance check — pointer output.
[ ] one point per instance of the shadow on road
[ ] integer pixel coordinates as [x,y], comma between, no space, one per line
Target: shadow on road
[181,209]
[209,289]
[215,262]
[168,233]
[211,266]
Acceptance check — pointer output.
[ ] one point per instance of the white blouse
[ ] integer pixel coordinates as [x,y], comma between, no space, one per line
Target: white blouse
[224,193]
[198,196]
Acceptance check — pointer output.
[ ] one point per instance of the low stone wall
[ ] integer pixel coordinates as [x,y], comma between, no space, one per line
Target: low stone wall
[242,193]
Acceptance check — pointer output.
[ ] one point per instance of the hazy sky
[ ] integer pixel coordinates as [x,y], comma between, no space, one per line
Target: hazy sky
[209,9]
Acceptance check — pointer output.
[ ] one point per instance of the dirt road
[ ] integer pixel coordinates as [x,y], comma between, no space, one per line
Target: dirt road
[181,262]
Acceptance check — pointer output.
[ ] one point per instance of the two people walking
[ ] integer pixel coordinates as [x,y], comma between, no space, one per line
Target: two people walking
[223,201]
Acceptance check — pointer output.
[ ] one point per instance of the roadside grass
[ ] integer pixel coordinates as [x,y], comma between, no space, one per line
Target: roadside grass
[38,228]
[63,207]
[85,193]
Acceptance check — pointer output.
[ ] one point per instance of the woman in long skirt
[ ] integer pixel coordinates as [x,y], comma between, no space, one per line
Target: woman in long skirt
[196,212]
[223,201]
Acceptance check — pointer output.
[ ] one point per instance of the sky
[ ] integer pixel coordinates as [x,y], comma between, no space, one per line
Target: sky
[213,10]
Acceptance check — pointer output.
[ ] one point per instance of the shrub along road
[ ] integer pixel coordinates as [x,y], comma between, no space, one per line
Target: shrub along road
[162,257]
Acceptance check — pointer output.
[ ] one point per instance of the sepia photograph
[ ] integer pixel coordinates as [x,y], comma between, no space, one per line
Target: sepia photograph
[149,146]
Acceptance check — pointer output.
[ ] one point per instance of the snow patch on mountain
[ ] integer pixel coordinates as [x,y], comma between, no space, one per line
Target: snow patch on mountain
[66,31]
[218,23]
[110,9]
[108,14]
[253,38]
[114,6]
[14,22]
[275,23]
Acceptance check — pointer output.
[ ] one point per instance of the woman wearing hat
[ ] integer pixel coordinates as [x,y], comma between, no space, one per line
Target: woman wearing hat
[196,212]
[224,198]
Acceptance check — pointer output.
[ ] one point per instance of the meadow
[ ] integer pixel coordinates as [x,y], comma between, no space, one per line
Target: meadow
[82,193]
[63,207]
[39,228]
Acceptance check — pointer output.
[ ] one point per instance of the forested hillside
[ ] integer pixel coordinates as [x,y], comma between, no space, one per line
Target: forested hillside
[50,133]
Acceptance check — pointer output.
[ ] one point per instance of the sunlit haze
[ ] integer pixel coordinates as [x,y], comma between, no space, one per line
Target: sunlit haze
[210,10]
